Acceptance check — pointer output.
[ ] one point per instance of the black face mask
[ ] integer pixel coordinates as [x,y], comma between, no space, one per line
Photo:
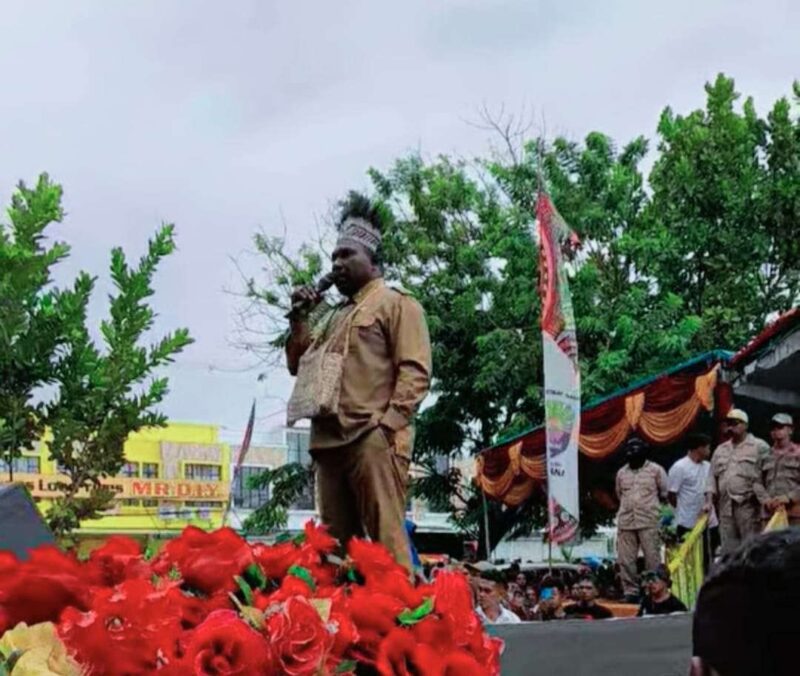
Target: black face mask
[636,459]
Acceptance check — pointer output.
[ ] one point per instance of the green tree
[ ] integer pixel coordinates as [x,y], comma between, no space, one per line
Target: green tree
[720,230]
[99,395]
[462,240]
[36,318]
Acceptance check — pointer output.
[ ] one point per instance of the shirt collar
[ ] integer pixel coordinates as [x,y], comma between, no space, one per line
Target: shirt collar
[368,289]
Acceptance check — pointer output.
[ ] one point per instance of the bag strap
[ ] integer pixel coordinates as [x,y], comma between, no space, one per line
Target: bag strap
[347,324]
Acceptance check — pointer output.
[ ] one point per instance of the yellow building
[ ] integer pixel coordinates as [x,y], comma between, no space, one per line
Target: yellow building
[174,476]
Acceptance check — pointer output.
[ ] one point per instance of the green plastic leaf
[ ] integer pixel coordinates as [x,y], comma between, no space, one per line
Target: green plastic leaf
[245,588]
[299,539]
[254,574]
[305,575]
[351,575]
[410,617]
[346,667]
[150,551]
[10,662]
[282,538]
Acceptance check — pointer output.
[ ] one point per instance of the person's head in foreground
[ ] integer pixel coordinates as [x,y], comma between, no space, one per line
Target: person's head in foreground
[738,423]
[489,596]
[657,584]
[699,447]
[781,430]
[746,621]
[586,591]
[552,595]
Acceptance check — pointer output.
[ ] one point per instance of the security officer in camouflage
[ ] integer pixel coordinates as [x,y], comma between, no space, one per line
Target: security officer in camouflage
[641,489]
[732,480]
[778,473]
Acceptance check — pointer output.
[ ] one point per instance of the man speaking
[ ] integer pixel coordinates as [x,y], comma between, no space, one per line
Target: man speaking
[362,373]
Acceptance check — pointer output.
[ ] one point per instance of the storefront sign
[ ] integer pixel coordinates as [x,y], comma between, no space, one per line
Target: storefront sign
[178,490]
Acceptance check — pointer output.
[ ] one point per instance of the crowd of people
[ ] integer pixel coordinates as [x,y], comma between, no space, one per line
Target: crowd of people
[739,489]
[509,598]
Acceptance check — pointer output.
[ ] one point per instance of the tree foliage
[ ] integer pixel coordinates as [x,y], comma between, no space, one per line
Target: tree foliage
[98,394]
[693,257]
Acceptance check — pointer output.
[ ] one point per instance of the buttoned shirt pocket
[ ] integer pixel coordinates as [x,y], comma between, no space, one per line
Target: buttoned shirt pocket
[368,331]
[745,468]
[648,487]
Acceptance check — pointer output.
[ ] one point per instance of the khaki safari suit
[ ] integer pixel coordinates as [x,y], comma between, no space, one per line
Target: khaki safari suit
[640,492]
[363,453]
[732,479]
[778,476]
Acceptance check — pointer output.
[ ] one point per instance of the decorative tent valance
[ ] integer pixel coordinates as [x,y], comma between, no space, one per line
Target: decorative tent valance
[660,410]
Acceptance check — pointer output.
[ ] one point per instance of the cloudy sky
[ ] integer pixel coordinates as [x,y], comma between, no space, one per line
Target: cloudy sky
[229,117]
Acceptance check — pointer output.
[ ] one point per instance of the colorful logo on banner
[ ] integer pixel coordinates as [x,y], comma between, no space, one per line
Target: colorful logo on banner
[562,379]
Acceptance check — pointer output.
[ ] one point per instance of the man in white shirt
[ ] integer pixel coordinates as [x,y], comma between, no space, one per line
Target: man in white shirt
[687,485]
[490,609]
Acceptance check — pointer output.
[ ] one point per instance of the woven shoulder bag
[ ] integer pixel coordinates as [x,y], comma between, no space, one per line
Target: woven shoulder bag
[319,375]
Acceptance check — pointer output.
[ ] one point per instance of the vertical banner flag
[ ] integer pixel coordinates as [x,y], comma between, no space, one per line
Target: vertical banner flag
[562,379]
[248,437]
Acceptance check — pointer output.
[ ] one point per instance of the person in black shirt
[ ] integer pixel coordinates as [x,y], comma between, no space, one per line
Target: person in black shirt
[587,607]
[658,599]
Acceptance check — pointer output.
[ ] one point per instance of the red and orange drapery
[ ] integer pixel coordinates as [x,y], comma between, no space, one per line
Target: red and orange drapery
[660,412]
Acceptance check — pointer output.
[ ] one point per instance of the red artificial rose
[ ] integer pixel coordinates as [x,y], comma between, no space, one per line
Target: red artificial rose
[275,560]
[318,538]
[118,559]
[461,663]
[299,638]
[39,589]
[193,610]
[453,600]
[398,584]
[131,629]
[207,562]
[345,636]
[224,645]
[400,655]
[374,615]
[371,558]
[435,632]
[8,562]
[290,587]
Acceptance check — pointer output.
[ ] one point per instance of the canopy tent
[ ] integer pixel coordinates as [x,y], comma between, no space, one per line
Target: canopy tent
[660,409]
[762,378]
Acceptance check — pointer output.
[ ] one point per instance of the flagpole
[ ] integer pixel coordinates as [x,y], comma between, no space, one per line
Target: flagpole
[248,436]
[487,539]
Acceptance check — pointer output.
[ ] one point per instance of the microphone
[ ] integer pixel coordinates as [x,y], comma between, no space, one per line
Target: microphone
[323,284]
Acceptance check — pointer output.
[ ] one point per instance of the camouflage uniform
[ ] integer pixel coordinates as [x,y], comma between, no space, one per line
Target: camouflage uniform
[778,476]
[640,493]
[732,482]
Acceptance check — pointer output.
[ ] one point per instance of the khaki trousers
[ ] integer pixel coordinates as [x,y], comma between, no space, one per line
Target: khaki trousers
[362,491]
[628,544]
[738,523]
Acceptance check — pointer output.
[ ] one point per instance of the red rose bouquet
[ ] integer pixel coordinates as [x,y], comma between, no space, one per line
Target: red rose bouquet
[213,604]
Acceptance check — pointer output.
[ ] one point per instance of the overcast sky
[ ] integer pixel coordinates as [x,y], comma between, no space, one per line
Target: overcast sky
[227,117]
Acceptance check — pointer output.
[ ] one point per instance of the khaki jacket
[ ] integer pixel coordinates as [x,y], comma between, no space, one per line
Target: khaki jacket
[640,494]
[387,369]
